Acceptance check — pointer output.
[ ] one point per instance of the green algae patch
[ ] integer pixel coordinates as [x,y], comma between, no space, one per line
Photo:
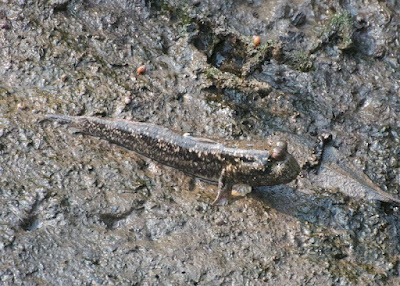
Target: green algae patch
[341,25]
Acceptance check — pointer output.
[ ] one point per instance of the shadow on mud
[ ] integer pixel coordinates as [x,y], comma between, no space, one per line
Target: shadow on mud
[331,210]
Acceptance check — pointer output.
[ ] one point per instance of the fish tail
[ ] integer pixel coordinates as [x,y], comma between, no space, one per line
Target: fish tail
[62,119]
[389,198]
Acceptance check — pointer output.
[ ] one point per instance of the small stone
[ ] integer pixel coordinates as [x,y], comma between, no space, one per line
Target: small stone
[141,70]
[21,106]
[128,99]
[220,222]
[256,40]
[4,25]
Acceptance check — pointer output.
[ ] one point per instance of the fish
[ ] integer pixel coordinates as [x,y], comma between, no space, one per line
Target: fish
[202,158]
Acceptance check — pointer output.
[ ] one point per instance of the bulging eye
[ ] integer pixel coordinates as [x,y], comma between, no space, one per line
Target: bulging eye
[279,151]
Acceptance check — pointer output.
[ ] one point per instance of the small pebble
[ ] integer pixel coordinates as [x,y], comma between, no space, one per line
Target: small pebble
[256,40]
[21,106]
[4,25]
[141,70]
[220,222]
[127,99]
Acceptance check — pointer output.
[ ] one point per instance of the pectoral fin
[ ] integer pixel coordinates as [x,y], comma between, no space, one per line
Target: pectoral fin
[224,190]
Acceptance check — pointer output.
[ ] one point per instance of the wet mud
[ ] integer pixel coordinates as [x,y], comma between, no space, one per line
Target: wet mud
[77,210]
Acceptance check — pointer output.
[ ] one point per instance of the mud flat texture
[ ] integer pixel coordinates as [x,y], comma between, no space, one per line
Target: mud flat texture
[75,210]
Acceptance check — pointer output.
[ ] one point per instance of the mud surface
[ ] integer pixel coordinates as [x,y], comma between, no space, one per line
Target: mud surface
[75,210]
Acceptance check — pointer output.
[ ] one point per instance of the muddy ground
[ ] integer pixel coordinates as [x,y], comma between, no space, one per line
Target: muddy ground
[79,211]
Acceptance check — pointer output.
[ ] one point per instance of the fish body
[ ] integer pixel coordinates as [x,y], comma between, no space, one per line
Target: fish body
[205,159]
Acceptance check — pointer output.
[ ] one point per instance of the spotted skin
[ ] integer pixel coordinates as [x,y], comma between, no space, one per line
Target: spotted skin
[204,159]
